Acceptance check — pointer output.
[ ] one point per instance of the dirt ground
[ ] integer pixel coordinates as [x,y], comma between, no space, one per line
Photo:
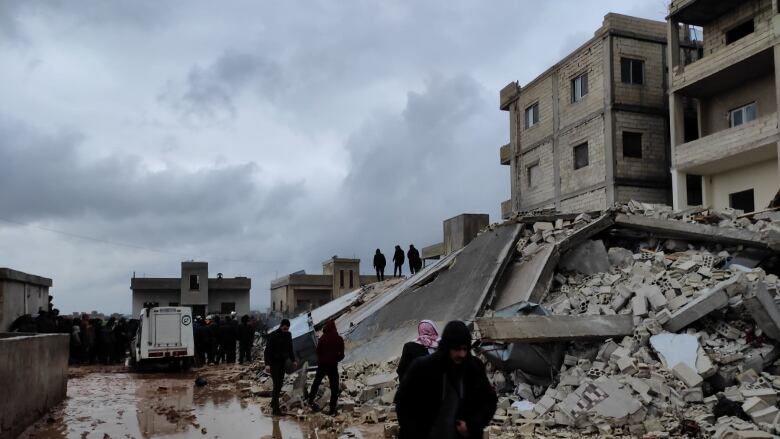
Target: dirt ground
[113,402]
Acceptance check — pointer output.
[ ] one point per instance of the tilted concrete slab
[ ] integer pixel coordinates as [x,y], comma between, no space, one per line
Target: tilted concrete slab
[602,223]
[540,329]
[715,298]
[762,307]
[527,280]
[696,232]
[456,293]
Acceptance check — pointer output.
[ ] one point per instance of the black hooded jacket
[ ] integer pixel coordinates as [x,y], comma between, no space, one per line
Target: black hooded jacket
[398,256]
[421,391]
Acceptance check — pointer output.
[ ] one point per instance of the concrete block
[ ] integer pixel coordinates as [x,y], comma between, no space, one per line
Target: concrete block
[381,380]
[687,375]
[542,226]
[754,404]
[769,396]
[766,415]
[626,365]
[762,307]
[639,306]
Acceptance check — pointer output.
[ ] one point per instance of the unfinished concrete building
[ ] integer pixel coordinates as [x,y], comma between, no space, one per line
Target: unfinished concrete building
[592,129]
[21,293]
[220,295]
[723,107]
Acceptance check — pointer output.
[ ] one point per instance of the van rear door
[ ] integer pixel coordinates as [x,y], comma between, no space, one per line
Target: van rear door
[167,327]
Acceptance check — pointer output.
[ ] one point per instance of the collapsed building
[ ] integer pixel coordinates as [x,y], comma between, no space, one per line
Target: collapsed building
[637,320]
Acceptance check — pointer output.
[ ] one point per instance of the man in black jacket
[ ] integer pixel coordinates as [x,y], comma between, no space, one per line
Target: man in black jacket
[379,264]
[415,263]
[447,394]
[398,261]
[278,351]
[246,338]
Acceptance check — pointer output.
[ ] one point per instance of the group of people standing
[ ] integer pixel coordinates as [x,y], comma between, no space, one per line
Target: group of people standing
[413,255]
[444,391]
[216,339]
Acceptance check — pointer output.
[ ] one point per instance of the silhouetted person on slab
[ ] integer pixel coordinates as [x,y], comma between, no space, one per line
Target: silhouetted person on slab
[398,261]
[415,263]
[379,264]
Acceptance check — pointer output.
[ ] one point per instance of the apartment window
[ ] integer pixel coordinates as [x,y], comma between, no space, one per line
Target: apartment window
[351,281]
[632,145]
[581,155]
[744,201]
[579,87]
[341,278]
[693,190]
[743,114]
[194,282]
[740,31]
[533,175]
[532,115]
[632,71]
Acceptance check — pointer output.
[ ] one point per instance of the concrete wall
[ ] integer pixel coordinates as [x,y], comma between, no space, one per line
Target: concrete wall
[715,31]
[653,165]
[715,110]
[33,376]
[201,295]
[18,298]
[763,178]
[240,298]
[460,230]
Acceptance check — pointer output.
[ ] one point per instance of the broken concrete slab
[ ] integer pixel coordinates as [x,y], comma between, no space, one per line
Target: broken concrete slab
[762,307]
[695,232]
[687,375]
[709,301]
[537,329]
[604,222]
[527,280]
[589,257]
[673,349]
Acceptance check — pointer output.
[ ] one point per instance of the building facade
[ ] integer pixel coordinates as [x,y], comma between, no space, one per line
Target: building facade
[723,106]
[298,292]
[21,293]
[592,130]
[195,289]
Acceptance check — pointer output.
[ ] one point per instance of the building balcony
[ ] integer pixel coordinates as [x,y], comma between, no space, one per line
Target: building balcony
[699,12]
[741,61]
[509,94]
[749,143]
[506,209]
[506,154]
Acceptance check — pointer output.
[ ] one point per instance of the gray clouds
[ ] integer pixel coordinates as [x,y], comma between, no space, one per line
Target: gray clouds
[264,136]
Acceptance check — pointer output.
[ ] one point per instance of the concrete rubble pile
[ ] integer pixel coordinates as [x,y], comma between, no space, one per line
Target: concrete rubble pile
[694,350]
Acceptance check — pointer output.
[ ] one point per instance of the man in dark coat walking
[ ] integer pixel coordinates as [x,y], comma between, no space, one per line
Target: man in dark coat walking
[379,264]
[398,261]
[330,350]
[446,394]
[278,351]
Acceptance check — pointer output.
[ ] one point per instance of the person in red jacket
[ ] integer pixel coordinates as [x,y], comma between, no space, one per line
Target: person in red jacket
[330,350]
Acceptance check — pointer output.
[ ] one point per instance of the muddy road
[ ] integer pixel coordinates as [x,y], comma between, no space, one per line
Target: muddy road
[113,402]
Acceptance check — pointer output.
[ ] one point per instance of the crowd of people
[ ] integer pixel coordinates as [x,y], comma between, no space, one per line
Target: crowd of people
[92,340]
[216,339]
[444,391]
[412,255]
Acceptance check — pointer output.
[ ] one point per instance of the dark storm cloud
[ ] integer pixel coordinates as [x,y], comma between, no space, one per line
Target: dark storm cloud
[209,92]
[52,177]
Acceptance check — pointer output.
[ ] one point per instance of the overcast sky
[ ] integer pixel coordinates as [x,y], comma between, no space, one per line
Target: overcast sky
[263,137]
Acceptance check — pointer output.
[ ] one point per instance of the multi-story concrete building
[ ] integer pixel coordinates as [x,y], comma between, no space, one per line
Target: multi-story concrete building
[298,292]
[195,289]
[723,107]
[21,293]
[592,129]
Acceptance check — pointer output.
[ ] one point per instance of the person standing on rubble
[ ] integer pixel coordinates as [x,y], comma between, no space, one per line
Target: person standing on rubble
[278,352]
[415,263]
[447,394]
[379,264]
[398,261]
[425,344]
[330,351]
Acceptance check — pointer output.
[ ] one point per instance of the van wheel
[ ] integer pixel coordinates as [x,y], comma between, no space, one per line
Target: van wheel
[186,364]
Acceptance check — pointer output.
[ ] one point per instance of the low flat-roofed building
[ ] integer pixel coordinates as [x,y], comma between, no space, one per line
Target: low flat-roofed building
[195,289]
[21,293]
[298,292]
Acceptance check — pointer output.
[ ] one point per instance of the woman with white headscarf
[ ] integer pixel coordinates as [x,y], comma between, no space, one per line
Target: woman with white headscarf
[426,343]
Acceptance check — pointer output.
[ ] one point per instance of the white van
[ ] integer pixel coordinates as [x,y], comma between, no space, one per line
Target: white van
[164,335]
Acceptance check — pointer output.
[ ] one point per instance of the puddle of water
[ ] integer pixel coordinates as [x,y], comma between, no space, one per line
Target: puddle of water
[123,405]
